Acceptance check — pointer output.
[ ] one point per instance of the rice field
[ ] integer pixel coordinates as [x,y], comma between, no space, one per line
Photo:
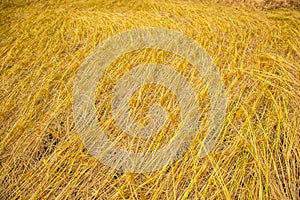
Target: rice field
[255,46]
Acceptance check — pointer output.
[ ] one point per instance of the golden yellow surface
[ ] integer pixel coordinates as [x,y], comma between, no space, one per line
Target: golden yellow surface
[255,49]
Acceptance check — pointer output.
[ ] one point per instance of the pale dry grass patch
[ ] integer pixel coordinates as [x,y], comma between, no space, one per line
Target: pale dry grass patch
[42,45]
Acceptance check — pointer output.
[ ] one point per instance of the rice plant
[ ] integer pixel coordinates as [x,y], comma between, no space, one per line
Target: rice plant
[255,48]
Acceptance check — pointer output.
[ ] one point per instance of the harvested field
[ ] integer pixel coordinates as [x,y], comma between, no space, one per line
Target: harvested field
[255,46]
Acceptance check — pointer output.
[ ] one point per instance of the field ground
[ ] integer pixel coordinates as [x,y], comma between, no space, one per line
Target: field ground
[255,46]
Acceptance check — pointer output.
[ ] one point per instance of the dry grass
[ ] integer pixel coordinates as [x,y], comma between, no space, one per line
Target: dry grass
[42,45]
[260,4]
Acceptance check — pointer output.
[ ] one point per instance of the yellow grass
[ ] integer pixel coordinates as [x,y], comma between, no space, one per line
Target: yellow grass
[256,51]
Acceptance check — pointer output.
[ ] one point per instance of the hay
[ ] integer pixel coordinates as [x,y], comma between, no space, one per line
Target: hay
[42,45]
